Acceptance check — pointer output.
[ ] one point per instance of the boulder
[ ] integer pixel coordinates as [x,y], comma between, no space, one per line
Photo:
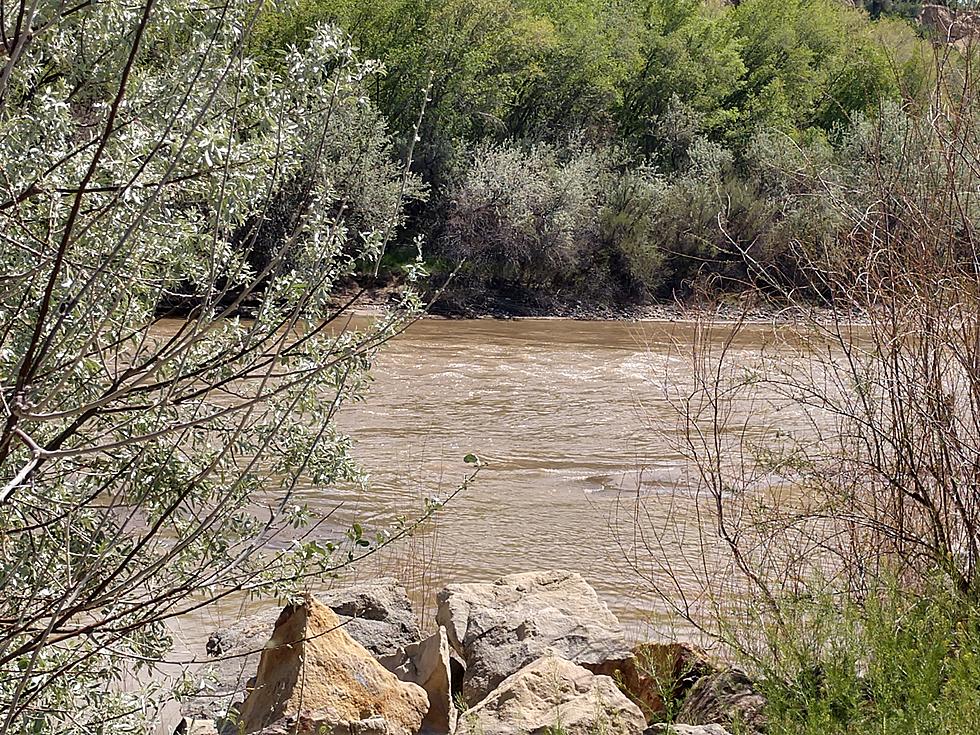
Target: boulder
[659,674]
[324,681]
[724,698]
[429,665]
[377,614]
[553,695]
[499,627]
[236,651]
[948,25]
[665,729]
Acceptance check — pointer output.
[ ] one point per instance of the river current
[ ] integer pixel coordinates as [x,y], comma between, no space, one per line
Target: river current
[580,444]
[575,424]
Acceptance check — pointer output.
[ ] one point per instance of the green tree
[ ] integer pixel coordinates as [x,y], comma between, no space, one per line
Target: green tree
[149,467]
[810,63]
[692,67]
[732,71]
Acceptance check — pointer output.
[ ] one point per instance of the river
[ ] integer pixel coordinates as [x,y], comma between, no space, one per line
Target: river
[572,422]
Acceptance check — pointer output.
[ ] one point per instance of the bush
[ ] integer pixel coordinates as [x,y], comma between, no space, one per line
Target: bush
[519,68]
[629,222]
[523,215]
[900,663]
[150,467]
[553,221]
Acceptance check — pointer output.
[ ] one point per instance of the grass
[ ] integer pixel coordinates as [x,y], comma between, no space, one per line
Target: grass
[904,664]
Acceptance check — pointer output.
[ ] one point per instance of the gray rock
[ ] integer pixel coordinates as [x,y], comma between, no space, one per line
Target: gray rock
[724,698]
[428,664]
[665,729]
[552,693]
[378,615]
[236,651]
[499,627]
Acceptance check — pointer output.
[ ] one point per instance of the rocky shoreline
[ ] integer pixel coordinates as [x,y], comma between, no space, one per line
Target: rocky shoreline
[528,654]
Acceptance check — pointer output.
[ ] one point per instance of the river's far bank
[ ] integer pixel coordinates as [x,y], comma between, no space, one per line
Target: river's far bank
[371,301]
[533,652]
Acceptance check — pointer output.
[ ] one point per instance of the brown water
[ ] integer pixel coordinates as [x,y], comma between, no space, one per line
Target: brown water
[573,423]
[582,468]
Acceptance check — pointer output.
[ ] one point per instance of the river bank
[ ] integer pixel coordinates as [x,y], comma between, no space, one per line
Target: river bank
[369,301]
[534,652]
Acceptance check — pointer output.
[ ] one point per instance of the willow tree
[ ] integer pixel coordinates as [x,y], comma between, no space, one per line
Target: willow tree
[149,465]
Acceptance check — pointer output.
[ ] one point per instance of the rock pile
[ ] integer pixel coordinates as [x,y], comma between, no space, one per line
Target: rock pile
[525,655]
[499,627]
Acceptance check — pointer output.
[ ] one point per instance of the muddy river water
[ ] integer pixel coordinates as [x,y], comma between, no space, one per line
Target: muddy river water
[573,424]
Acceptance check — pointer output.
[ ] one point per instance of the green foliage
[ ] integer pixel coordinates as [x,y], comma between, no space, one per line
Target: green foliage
[669,81]
[810,63]
[693,61]
[493,65]
[553,220]
[539,70]
[149,467]
[792,66]
[902,663]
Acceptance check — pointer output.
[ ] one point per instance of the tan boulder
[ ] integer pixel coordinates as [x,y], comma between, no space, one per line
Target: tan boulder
[315,675]
[427,663]
[943,24]
[552,694]
[375,612]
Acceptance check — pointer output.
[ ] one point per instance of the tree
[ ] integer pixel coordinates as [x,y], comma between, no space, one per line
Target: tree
[150,466]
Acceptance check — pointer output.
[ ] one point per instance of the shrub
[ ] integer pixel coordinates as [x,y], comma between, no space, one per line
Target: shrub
[523,215]
[150,467]
[898,664]
[629,223]
[841,560]
[667,81]
[555,221]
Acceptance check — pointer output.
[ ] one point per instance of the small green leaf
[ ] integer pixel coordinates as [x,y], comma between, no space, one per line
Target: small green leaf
[471,459]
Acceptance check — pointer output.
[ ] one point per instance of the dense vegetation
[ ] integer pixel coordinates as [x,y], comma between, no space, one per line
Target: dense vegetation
[900,664]
[241,161]
[617,150]
[150,468]
[850,523]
